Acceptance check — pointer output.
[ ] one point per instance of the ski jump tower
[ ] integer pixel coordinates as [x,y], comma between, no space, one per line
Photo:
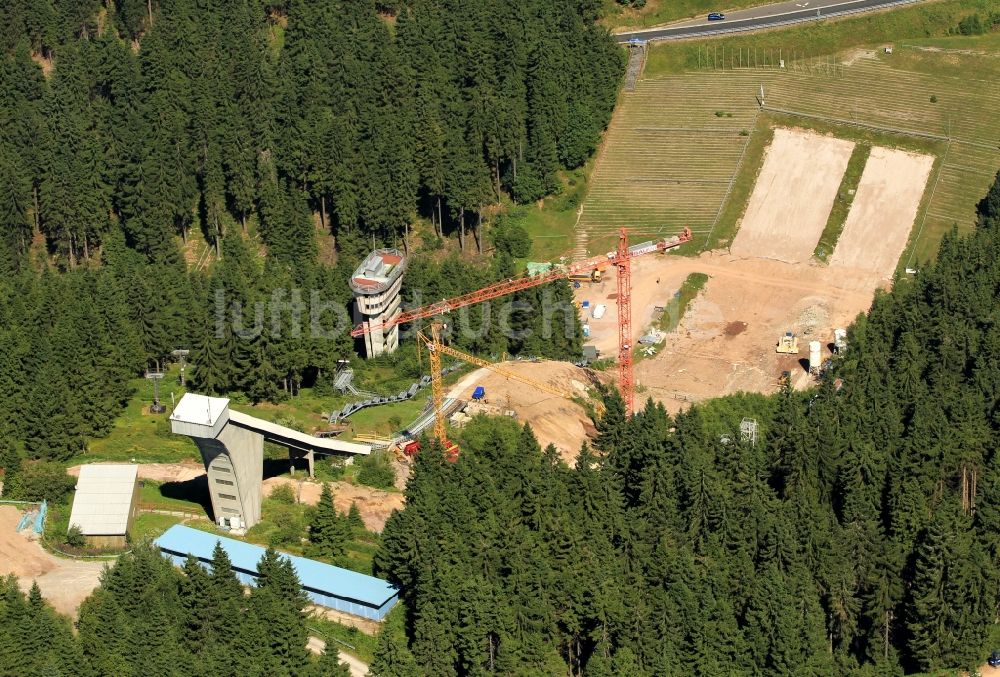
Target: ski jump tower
[376,284]
[232,447]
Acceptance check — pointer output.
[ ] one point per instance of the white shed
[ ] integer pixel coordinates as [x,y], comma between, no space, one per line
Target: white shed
[107,496]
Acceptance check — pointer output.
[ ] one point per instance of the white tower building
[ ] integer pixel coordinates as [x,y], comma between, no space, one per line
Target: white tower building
[376,284]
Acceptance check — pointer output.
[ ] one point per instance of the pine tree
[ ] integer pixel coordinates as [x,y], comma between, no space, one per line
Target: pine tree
[328,664]
[279,601]
[329,531]
[354,517]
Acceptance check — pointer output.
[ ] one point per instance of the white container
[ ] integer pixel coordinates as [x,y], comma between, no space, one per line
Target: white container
[599,311]
[840,340]
[815,359]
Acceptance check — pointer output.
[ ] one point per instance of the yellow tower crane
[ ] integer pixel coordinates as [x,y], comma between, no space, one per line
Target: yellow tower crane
[436,348]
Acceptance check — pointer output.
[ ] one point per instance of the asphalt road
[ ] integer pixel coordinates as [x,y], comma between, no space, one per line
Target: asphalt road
[758,17]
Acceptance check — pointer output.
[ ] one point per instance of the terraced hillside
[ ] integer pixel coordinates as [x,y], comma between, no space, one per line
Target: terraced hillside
[669,155]
[871,92]
[669,158]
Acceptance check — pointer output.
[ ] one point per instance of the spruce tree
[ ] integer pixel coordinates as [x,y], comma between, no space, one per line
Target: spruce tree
[329,530]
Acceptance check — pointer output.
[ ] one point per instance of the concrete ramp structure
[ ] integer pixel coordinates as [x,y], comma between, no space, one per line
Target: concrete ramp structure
[232,447]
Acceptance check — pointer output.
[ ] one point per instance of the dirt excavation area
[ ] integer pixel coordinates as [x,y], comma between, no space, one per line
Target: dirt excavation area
[768,283]
[375,505]
[883,211]
[65,583]
[792,198]
[726,339]
[555,420]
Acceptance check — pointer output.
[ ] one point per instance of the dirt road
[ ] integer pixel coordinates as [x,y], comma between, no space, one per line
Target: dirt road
[65,583]
[354,664]
[162,472]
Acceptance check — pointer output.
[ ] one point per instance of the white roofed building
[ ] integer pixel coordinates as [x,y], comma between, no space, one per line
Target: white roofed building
[106,500]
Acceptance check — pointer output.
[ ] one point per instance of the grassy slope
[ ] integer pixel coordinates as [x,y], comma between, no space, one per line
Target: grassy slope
[923,46]
[725,228]
[825,37]
[550,224]
[142,436]
[148,526]
[842,204]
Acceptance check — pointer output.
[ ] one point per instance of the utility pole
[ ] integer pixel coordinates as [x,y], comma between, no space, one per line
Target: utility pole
[181,354]
[156,377]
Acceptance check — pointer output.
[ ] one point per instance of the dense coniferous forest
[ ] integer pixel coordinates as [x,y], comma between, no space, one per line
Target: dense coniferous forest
[150,618]
[127,126]
[206,115]
[860,535]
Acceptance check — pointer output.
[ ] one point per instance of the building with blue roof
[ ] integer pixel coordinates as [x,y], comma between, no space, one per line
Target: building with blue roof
[325,584]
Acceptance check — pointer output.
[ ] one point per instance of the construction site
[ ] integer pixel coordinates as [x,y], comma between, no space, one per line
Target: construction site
[789,228]
[794,215]
[769,312]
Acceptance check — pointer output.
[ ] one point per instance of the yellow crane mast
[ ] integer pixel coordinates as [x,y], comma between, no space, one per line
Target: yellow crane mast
[435,348]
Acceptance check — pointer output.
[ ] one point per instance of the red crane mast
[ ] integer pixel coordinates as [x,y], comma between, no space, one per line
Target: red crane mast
[624,263]
[620,258]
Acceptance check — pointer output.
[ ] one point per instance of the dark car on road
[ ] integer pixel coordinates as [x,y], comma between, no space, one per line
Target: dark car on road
[716,16]
[994,659]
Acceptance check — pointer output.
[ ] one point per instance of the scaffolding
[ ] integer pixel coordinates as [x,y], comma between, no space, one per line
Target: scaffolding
[748,431]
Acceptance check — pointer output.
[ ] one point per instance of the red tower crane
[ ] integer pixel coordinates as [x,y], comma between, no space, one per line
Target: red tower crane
[623,261]
[621,258]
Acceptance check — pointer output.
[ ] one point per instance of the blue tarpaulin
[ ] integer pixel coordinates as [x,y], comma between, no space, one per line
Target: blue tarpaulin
[479,393]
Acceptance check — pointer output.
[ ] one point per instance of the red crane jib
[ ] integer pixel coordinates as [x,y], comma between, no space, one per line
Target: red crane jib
[517,284]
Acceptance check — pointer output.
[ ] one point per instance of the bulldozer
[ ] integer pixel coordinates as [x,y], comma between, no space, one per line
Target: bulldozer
[593,276]
[788,344]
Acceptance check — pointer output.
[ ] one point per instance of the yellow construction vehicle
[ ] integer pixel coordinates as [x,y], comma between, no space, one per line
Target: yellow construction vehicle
[593,276]
[788,344]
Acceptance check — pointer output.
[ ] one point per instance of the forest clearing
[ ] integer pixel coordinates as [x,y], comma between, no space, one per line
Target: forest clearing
[64,582]
[555,420]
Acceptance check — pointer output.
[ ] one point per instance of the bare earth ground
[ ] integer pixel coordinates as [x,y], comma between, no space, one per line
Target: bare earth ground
[792,198]
[65,583]
[725,342]
[375,505]
[162,472]
[554,420]
[883,211]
